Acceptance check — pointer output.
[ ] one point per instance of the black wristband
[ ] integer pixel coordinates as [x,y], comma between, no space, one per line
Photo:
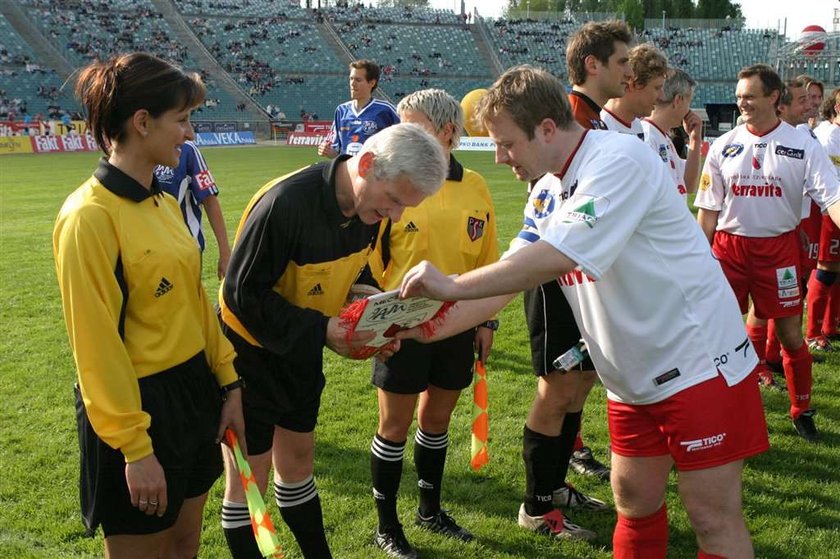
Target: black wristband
[491,324]
[226,389]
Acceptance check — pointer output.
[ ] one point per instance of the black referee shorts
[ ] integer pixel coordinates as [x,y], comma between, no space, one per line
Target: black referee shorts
[184,405]
[446,364]
[280,390]
[552,327]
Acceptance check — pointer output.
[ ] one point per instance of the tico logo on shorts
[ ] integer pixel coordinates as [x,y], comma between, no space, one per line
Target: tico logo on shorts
[704,443]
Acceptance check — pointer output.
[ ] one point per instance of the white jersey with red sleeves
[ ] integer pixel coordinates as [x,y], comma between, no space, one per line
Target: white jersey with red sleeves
[617,124]
[756,182]
[662,144]
[652,304]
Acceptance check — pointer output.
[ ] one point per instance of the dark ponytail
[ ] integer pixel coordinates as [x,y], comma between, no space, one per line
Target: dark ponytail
[112,91]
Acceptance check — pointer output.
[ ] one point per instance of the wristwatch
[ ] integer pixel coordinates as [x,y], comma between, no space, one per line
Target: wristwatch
[491,324]
[226,389]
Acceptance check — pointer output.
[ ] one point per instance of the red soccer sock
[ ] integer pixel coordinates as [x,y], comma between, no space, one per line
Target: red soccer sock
[758,336]
[818,293]
[641,538]
[703,555]
[832,311]
[774,348]
[797,364]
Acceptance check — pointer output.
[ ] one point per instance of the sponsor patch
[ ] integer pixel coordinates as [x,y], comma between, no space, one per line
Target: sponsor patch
[665,377]
[705,182]
[790,152]
[732,150]
[786,278]
[788,293]
[587,209]
[204,180]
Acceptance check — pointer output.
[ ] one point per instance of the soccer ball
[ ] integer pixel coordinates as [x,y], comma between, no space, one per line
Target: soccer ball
[468,104]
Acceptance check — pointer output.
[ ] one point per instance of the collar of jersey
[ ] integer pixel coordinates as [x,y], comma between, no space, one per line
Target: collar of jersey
[122,185]
[330,200]
[588,100]
[456,170]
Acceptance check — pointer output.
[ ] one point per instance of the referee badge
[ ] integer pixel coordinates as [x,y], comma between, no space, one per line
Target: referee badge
[475,228]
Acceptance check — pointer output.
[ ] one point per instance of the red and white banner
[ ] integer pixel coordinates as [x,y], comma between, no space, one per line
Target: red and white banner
[67,143]
[315,127]
[304,139]
[19,128]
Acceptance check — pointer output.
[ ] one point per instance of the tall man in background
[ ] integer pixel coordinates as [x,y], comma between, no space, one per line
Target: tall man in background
[362,116]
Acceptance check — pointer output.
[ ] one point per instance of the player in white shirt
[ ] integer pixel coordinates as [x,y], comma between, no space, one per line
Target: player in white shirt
[823,286]
[673,110]
[659,320]
[794,107]
[650,69]
[750,203]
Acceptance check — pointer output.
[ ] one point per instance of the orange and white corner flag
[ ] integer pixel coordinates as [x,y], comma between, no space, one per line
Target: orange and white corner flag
[481,421]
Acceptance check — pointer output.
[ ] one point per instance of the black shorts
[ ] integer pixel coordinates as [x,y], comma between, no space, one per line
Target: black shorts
[552,327]
[446,364]
[280,390]
[184,405]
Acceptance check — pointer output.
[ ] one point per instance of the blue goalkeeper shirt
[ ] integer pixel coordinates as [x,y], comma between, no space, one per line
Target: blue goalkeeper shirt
[351,129]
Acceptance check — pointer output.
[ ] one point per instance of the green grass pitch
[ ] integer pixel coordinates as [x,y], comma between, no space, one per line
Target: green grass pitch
[792,493]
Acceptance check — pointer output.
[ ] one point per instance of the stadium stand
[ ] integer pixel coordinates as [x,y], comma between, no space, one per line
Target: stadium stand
[294,60]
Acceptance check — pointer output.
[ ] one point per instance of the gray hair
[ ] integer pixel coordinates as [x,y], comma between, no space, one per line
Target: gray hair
[678,83]
[407,149]
[440,108]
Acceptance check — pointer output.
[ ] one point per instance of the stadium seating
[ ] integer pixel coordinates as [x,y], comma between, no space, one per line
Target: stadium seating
[277,54]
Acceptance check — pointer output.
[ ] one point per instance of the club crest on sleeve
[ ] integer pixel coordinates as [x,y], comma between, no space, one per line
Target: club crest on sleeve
[705,182]
[732,150]
[543,203]
[475,228]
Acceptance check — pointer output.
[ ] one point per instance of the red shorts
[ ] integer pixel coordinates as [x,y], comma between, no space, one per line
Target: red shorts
[766,269]
[829,241]
[809,232]
[696,426]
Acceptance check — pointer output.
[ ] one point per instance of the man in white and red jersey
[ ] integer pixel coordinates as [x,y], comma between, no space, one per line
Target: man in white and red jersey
[659,320]
[644,90]
[673,110]
[794,108]
[823,286]
[598,63]
[750,202]
[816,92]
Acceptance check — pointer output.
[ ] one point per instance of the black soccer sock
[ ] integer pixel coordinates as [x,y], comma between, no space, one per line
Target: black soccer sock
[541,454]
[236,524]
[430,459]
[568,434]
[300,508]
[386,464]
